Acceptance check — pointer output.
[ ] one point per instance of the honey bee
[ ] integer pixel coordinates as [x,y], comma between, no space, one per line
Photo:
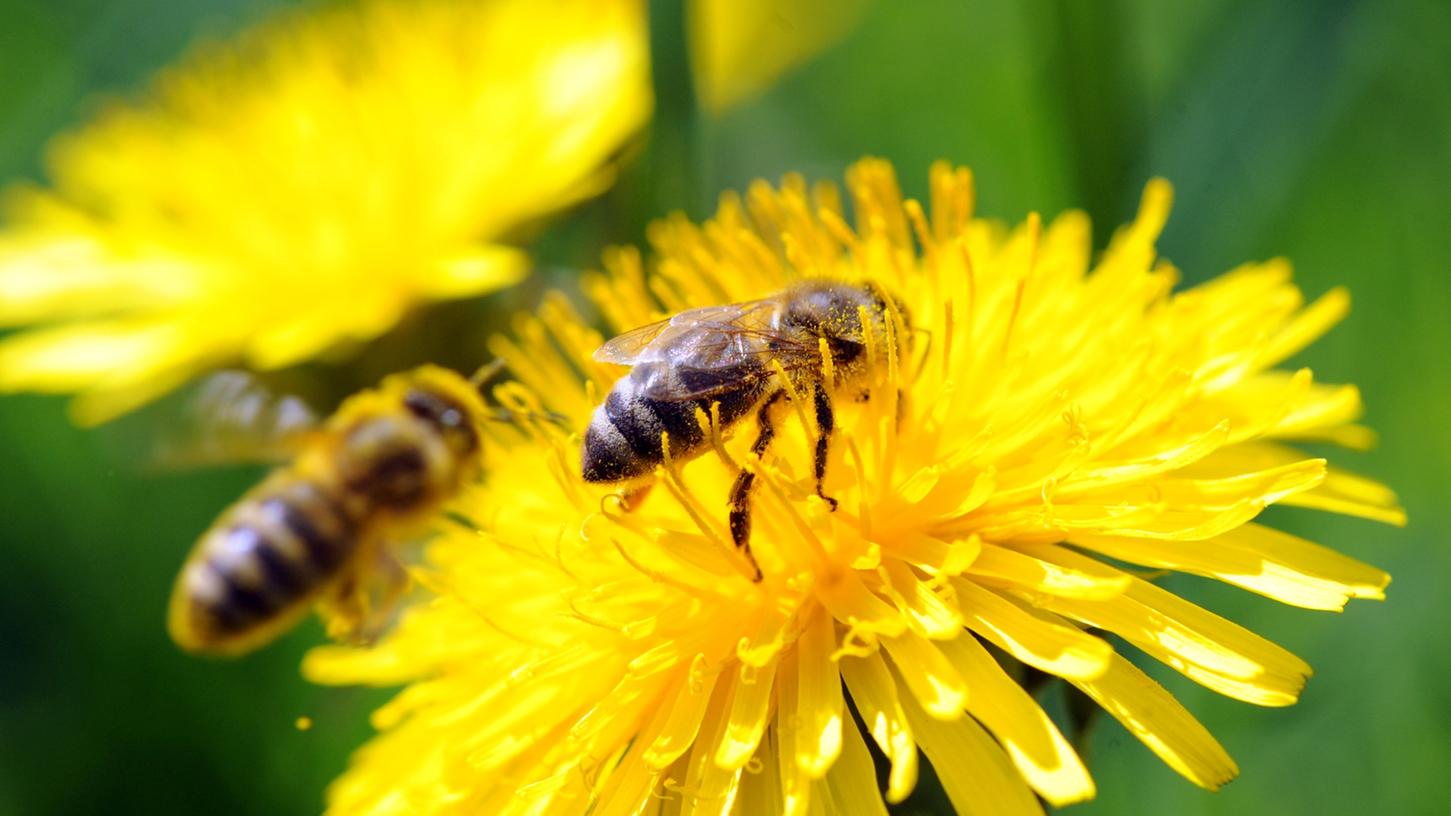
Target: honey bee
[733,358]
[318,527]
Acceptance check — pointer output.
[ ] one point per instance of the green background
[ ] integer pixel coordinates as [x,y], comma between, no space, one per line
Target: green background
[1316,130]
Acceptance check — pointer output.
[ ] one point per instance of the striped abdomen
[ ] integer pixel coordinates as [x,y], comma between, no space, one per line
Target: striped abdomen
[255,570]
[623,440]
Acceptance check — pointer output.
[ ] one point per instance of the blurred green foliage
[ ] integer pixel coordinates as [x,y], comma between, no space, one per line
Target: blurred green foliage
[1320,131]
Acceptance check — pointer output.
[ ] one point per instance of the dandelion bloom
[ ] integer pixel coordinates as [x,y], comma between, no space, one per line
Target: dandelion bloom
[302,187]
[1053,411]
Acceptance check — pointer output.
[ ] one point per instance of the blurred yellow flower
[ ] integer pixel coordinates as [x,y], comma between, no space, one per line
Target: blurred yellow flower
[303,186]
[738,48]
[1057,417]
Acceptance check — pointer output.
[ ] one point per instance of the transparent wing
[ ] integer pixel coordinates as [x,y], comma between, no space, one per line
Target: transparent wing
[231,417]
[732,363]
[701,353]
[625,349]
[677,336]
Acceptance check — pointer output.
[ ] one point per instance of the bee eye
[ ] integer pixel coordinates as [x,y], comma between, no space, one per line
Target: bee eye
[433,409]
[846,351]
[444,416]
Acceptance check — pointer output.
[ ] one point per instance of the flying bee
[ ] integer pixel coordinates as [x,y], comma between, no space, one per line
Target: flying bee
[318,528]
[734,358]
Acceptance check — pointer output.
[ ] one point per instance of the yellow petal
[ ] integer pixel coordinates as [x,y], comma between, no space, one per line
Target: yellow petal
[1274,564]
[709,788]
[676,724]
[928,675]
[874,693]
[612,721]
[1203,646]
[1033,743]
[1339,491]
[629,786]
[73,357]
[1160,722]
[746,721]
[1159,461]
[795,784]
[852,781]
[64,276]
[819,707]
[768,640]
[477,271]
[849,600]
[1337,495]
[1052,647]
[1021,569]
[1322,408]
[1306,327]
[1258,487]
[933,616]
[974,771]
[1358,580]
[1169,508]
[761,791]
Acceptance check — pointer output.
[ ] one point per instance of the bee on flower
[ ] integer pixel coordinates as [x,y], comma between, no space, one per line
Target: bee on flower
[696,374]
[596,649]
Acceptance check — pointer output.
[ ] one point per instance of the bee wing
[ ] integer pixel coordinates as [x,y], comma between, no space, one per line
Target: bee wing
[706,352]
[231,417]
[681,334]
[626,349]
[747,362]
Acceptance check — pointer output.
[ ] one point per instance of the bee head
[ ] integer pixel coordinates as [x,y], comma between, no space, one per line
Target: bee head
[412,439]
[835,311]
[445,416]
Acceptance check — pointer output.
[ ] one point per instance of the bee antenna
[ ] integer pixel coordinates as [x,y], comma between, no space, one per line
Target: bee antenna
[498,413]
[486,373]
[501,414]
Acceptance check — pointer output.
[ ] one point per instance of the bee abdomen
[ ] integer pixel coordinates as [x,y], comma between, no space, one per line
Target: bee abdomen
[623,440]
[273,551]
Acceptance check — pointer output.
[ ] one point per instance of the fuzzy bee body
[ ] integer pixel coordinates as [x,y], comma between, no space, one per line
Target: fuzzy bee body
[376,471]
[624,437]
[728,362]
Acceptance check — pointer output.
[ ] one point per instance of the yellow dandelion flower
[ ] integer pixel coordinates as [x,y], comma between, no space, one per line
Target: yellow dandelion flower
[1056,419]
[302,187]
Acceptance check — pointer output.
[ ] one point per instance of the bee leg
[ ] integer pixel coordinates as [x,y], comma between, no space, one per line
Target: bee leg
[343,609]
[740,500]
[364,601]
[825,424]
[631,498]
[388,582]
